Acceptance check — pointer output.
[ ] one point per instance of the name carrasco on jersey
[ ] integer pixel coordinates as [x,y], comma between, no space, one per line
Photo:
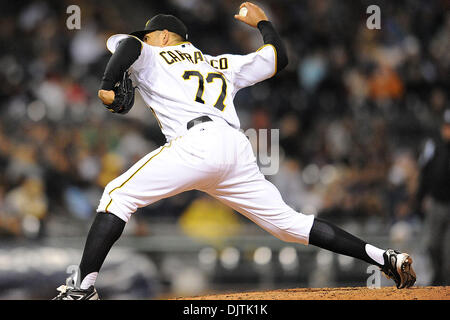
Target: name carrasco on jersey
[173,56]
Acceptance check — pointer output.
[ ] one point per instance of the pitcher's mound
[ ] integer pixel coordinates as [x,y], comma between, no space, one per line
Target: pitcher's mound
[358,293]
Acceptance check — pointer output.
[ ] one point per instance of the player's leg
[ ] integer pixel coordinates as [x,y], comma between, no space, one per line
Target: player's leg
[260,201]
[104,232]
[138,186]
[247,191]
[396,265]
[165,172]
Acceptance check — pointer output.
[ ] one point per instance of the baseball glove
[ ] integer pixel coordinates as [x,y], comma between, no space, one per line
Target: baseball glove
[123,96]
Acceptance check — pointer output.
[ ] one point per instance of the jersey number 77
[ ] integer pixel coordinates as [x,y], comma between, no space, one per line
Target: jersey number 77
[210,77]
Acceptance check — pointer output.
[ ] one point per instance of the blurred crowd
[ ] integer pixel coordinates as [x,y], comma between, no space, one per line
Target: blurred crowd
[354,106]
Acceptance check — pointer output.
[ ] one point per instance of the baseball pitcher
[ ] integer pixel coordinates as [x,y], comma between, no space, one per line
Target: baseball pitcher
[191,95]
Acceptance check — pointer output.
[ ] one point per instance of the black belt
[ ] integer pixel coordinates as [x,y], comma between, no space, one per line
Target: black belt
[198,120]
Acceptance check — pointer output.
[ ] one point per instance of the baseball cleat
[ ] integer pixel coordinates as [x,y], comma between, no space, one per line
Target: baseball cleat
[397,266]
[71,293]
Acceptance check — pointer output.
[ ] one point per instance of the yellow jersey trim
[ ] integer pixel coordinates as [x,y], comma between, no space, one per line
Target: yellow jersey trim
[156,117]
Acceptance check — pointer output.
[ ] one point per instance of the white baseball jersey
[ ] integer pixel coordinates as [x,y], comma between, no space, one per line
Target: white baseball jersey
[180,83]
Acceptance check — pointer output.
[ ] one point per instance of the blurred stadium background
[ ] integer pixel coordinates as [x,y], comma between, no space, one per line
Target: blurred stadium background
[354,108]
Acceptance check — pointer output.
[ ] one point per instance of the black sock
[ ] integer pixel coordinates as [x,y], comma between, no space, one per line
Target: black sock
[327,236]
[104,232]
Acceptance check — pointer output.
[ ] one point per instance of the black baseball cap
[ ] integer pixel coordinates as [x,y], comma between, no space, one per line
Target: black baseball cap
[163,22]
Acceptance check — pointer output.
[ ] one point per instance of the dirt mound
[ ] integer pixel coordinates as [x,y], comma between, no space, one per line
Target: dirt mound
[358,293]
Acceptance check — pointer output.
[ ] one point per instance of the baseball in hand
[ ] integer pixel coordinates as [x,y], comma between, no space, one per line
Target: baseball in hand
[243,11]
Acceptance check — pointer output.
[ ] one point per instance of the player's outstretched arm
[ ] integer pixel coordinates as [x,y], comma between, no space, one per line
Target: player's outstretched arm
[255,17]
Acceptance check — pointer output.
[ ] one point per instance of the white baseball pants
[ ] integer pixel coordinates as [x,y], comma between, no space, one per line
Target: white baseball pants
[214,158]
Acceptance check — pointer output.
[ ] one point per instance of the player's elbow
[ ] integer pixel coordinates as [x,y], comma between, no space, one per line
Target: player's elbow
[281,57]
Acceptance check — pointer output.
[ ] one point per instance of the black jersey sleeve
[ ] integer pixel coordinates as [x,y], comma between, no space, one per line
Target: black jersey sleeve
[126,54]
[271,36]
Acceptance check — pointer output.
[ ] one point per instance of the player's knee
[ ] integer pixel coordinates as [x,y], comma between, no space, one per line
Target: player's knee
[115,203]
[297,230]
